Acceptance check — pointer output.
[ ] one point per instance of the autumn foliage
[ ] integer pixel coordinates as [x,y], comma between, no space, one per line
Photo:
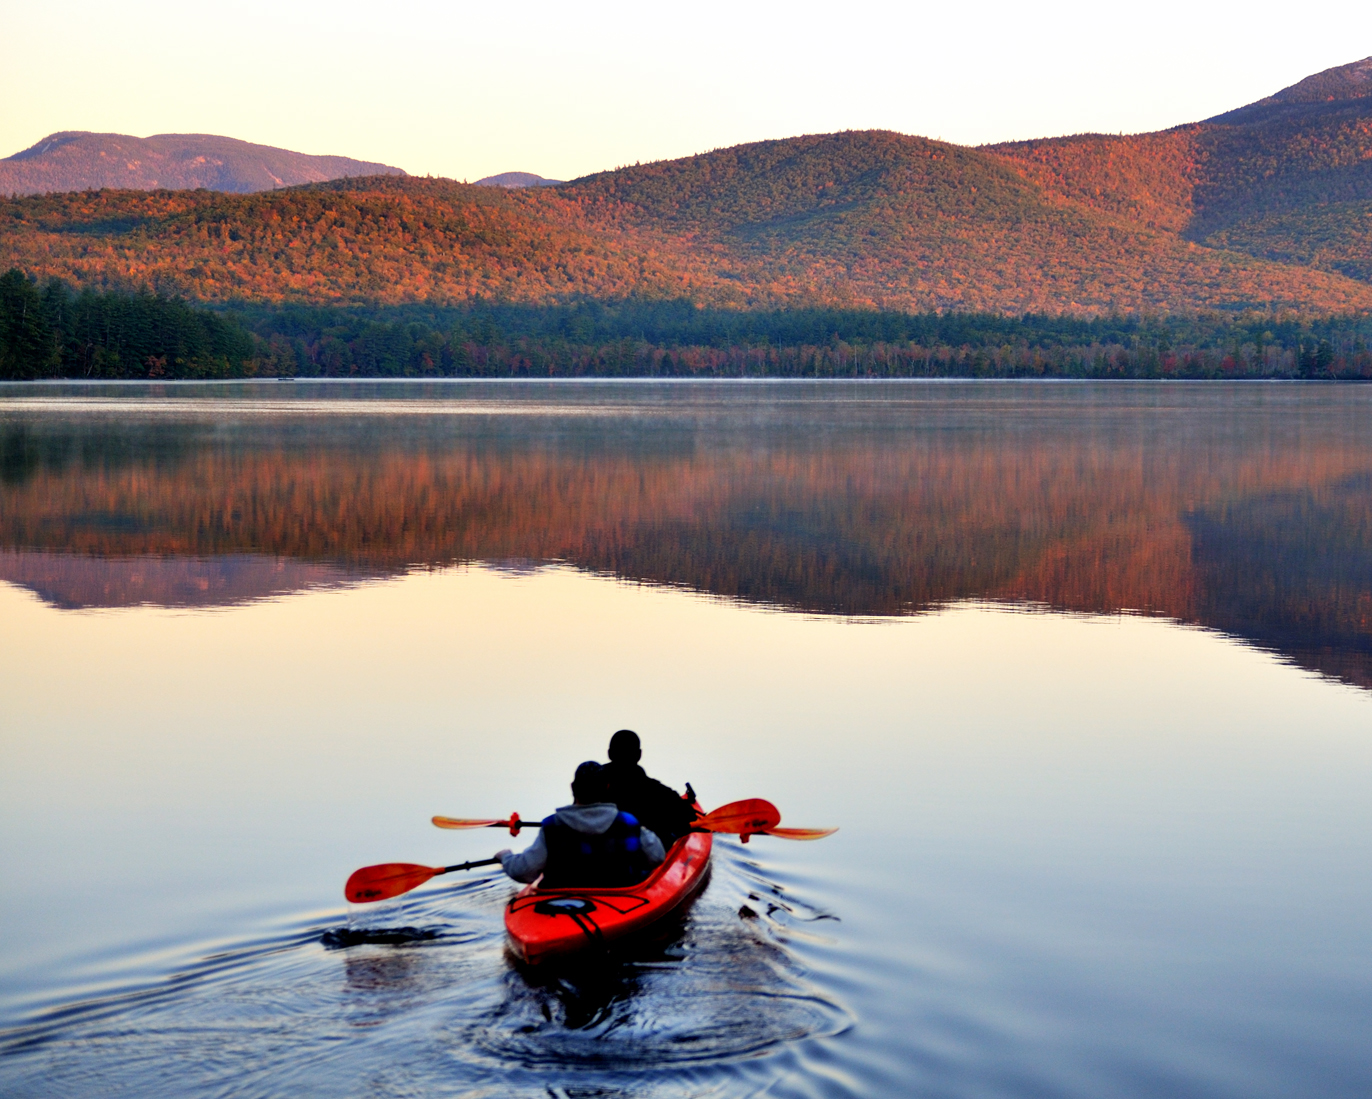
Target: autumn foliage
[1265,211]
[855,220]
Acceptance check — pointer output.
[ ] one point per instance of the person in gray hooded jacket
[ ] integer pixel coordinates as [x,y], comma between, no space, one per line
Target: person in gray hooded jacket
[588,844]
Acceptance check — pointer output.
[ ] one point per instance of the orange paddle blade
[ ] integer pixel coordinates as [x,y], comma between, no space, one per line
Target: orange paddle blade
[742,817]
[388,879]
[801,833]
[461,822]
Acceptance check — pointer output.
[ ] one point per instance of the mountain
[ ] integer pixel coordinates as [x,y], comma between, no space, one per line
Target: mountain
[885,220]
[1268,207]
[516,179]
[79,161]
[1307,98]
[1286,179]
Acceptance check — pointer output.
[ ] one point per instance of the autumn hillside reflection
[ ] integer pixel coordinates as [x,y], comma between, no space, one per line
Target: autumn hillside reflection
[1268,540]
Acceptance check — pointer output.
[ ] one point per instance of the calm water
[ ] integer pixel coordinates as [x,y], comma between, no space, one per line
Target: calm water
[1082,672]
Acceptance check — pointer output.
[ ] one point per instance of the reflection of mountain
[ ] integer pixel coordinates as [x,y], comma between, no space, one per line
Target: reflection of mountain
[74,581]
[1270,540]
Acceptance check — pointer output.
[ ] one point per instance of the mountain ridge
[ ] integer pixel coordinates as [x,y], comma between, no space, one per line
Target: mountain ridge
[79,160]
[1343,82]
[1249,180]
[513,180]
[1270,211]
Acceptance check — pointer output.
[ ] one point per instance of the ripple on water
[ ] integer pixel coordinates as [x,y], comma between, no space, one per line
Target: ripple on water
[423,998]
[720,992]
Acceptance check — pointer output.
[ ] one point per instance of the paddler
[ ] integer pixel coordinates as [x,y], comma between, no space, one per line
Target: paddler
[656,805]
[591,843]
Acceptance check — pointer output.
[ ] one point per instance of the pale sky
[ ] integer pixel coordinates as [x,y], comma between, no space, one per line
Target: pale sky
[466,90]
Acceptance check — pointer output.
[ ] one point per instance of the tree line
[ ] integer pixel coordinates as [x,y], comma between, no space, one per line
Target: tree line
[679,339]
[54,331]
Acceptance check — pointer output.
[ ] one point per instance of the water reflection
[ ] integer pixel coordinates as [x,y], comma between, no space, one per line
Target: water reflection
[81,581]
[1079,856]
[1251,515]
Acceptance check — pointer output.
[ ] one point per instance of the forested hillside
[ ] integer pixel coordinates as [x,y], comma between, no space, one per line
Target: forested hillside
[1287,179]
[871,220]
[1266,209]
[889,221]
[379,239]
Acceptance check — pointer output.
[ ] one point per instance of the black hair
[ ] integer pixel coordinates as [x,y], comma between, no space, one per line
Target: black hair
[588,785]
[624,747]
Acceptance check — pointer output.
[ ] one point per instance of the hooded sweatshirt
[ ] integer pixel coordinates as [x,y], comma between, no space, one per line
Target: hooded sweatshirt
[592,820]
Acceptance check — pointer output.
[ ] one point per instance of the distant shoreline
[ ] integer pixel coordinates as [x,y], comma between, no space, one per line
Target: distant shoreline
[57,332]
[584,380]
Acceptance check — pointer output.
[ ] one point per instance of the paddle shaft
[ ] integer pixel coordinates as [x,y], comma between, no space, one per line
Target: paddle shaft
[539,824]
[752,815]
[468,865]
[517,825]
[746,818]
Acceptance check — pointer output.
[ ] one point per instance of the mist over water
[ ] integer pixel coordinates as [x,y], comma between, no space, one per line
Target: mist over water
[1080,671]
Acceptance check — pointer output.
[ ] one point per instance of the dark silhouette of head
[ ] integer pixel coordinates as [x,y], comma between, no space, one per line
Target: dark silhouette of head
[624,747]
[588,785]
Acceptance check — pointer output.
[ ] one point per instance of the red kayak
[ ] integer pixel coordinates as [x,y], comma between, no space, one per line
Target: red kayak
[552,923]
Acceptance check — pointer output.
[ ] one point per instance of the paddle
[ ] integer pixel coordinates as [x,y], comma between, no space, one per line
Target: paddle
[514,824]
[390,879]
[741,818]
[799,833]
[746,818]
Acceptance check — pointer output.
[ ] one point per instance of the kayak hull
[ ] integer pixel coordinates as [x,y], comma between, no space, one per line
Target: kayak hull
[555,923]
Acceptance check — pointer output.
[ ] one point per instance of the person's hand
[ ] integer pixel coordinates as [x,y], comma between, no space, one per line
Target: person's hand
[502,853]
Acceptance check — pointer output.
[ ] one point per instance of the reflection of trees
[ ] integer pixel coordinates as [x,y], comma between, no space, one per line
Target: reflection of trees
[1293,567]
[1271,543]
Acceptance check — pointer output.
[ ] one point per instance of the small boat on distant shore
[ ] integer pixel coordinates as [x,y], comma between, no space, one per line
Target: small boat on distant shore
[554,923]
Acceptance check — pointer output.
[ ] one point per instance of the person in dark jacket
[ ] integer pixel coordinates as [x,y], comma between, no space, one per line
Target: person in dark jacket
[591,844]
[656,805]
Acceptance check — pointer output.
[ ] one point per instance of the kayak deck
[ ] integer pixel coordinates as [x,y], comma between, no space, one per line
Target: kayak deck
[550,923]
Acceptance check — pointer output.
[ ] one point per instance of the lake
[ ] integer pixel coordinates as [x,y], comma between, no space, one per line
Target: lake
[1081,672]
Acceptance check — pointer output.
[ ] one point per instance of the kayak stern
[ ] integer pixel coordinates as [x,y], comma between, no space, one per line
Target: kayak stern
[553,923]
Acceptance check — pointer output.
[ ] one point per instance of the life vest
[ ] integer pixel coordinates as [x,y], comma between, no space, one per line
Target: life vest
[606,861]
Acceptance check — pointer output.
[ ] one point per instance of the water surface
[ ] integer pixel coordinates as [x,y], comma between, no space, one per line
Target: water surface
[1081,671]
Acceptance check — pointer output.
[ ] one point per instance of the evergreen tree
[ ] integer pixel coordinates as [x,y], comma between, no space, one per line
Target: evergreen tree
[27,346]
